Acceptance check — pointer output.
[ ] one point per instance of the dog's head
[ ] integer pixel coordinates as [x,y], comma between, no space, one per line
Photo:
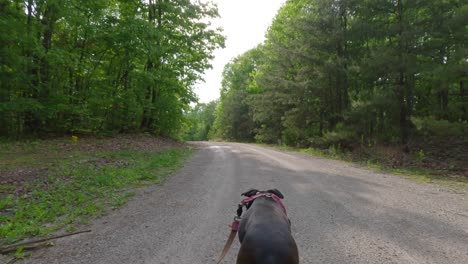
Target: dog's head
[253,192]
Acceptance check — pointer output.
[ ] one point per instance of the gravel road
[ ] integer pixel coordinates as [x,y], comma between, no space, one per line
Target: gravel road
[340,214]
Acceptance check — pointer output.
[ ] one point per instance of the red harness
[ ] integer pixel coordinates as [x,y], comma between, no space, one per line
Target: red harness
[260,194]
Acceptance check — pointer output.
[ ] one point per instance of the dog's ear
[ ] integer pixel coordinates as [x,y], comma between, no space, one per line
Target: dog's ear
[276,192]
[250,192]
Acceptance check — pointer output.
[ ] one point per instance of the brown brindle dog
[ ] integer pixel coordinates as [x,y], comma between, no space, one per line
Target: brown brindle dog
[265,231]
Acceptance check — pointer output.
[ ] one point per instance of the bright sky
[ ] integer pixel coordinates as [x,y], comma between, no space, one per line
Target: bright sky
[245,23]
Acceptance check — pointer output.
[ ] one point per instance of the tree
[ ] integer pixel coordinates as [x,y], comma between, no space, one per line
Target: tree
[200,121]
[233,119]
[341,71]
[102,66]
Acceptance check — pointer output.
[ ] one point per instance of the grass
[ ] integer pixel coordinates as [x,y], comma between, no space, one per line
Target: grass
[420,175]
[78,187]
[459,185]
[7,188]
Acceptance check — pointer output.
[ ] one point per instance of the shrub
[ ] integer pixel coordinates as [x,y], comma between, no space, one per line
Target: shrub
[440,128]
[341,137]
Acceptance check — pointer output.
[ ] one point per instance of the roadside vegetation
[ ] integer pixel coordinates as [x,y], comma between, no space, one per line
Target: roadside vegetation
[383,82]
[60,184]
[101,67]
[389,159]
[93,69]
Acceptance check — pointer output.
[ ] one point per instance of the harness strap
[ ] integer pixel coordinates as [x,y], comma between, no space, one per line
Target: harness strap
[234,228]
[260,194]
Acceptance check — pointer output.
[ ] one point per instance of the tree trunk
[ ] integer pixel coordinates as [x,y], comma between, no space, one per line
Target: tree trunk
[462,95]
[443,99]
[462,88]
[404,128]
[147,105]
[344,55]
[402,81]
[48,21]
[150,67]
[31,119]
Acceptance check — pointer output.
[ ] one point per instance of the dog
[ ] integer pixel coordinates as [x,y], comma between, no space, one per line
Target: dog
[265,231]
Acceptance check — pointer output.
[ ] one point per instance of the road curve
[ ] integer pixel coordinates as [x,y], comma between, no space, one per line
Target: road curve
[340,214]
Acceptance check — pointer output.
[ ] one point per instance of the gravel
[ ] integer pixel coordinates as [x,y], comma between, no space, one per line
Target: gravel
[340,213]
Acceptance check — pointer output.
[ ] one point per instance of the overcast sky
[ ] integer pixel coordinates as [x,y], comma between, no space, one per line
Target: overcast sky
[245,23]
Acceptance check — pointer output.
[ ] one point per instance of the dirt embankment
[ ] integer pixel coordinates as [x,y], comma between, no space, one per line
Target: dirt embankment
[442,158]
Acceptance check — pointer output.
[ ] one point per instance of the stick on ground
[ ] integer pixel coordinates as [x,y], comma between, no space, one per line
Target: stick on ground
[14,247]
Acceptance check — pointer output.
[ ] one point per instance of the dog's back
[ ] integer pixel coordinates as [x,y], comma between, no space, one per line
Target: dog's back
[265,235]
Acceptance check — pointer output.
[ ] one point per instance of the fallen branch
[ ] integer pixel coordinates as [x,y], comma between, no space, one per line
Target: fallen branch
[27,244]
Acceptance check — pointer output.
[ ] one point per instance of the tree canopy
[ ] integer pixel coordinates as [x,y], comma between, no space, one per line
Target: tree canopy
[333,71]
[101,66]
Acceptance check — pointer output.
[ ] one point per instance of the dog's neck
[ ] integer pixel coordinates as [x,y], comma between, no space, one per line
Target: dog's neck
[252,198]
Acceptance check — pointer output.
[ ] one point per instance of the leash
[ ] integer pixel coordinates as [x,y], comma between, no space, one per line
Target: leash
[236,222]
[234,229]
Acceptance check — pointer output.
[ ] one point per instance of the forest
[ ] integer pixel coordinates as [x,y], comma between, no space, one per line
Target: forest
[100,66]
[345,73]
[338,74]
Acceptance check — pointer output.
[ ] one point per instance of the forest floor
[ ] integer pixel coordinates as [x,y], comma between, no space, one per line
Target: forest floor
[429,160]
[441,158]
[53,184]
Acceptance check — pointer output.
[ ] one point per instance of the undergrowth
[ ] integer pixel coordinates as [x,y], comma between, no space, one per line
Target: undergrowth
[414,173]
[76,190]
